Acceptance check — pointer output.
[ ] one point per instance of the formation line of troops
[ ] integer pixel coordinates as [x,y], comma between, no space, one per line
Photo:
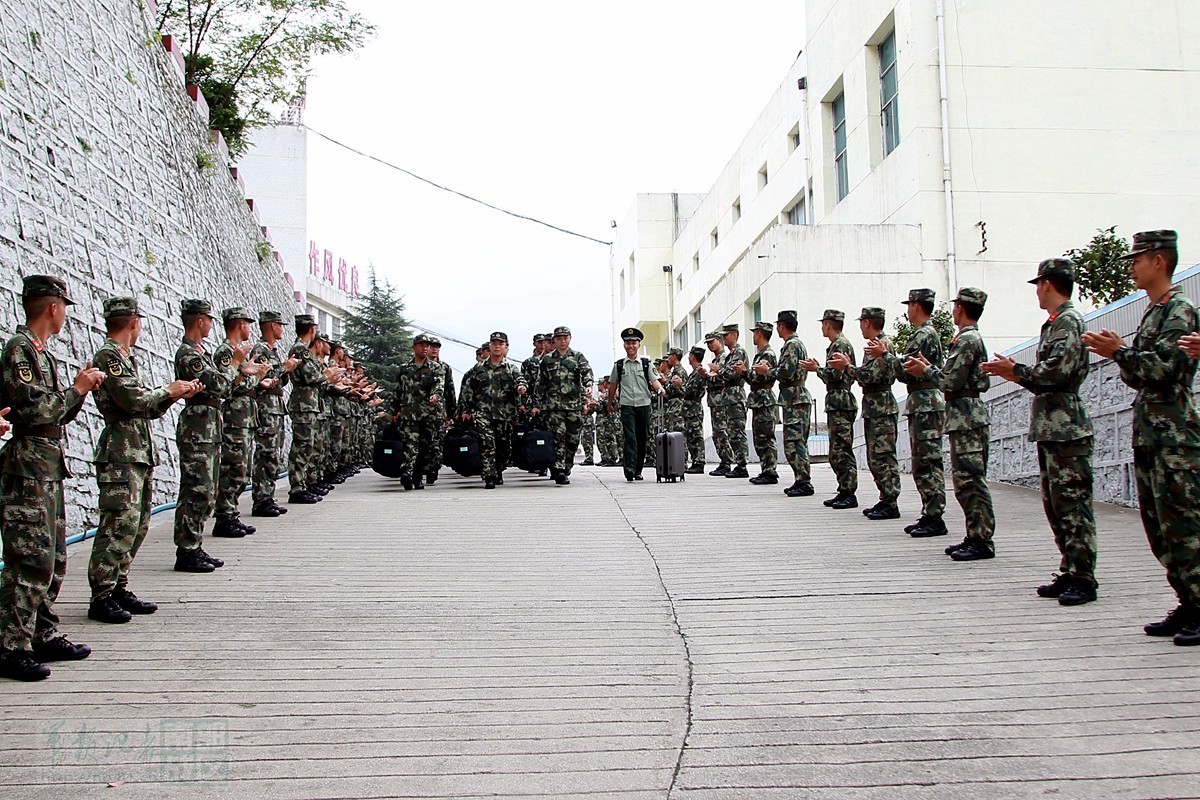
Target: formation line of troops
[230,432]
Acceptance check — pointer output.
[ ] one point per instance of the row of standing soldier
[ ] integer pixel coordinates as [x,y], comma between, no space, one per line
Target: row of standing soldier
[231,430]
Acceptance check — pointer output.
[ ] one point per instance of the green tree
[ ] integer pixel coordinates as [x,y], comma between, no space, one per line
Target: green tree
[251,58]
[943,323]
[377,333]
[1101,276]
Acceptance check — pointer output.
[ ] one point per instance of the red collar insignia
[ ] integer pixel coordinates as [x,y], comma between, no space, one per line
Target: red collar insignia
[1053,317]
[37,344]
[198,349]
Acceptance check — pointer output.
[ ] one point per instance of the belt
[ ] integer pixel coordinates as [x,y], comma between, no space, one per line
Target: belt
[42,431]
[918,385]
[876,388]
[277,392]
[202,401]
[961,395]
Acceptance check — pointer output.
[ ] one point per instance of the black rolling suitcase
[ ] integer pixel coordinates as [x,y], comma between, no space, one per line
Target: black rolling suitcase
[670,451]
[388,456]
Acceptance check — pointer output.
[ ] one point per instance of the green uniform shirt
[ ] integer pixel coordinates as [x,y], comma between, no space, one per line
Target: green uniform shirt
[630,376]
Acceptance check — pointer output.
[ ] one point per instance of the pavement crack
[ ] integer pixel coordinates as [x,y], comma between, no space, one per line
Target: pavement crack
[687,652]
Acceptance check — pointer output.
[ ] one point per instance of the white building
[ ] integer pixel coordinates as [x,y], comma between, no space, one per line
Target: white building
[1058,119]
[275,173]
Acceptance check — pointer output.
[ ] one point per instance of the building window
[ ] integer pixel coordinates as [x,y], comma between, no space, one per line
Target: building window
[681,336]
[632,273]
[757,310]
[842,173]
[794,139]
[737,209]
[763,177]
[889,107]
[679,283]
[697,325]
[695,263]
[713,238]
[622,288]
[796,215]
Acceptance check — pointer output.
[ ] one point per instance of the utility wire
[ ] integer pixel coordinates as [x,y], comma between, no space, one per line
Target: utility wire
[463,195]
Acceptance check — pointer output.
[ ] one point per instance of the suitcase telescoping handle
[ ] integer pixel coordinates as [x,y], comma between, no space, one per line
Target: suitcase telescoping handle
[662,412]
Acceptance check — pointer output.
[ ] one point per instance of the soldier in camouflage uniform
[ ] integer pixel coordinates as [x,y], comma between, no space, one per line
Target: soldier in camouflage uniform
[33,520]
[490,394]
[840,409]
[1166,425]
[304,406]
[672,380]
[731,401]
[198,436]
[420,411]
[607,428]
[1059,424]
[268,435]
[239,418]
[587,436]
[762,404]
[125,460]
[530,367]
[657,422]
[716,345]
[564,379]
[794,401]
[450,400]
[926,412]
[968,425]
[879,412]
[693,386]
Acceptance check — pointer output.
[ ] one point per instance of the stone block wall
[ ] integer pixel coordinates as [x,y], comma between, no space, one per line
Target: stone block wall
[110,179]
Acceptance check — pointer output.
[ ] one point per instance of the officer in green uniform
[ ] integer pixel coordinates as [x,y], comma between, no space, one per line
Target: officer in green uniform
[239,418]
[841,408]
[272,413]
[125,460]
[33,518]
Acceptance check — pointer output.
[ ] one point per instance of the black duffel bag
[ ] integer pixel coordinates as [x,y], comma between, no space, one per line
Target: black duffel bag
[388,456]
[461,452]
[535,449]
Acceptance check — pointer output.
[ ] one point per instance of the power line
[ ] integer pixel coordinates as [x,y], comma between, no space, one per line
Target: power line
[463,195]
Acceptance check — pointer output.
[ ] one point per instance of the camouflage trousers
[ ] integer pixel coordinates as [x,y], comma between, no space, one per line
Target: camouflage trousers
[1166,478]
[762,427]
[656,427]
[693,434]
[199,467]
[339,444]
[419,435]
[880,434]
[302,453]
[587,437]
[797,425]
[437,444]
[566,425]
[968,469]
[608,437]
[674,416]
[237,444]
[33,525]
[925,439]
[495,444]
[733,426]
[268,457]
[841,450]
[1066,474]
[126,491]
[322,462]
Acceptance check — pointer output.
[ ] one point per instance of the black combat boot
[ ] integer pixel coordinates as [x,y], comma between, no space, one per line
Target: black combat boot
[721,471]
[800,489]
[191,561]
[932,527]
[20,665]
[883,511]
[847,500]
[105,609]
[132,603]
[228,529]
[60,649]
[1181,617]
[1078,593]
[1055,587]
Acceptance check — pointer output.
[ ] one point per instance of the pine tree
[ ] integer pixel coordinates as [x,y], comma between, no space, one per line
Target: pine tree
[377,333]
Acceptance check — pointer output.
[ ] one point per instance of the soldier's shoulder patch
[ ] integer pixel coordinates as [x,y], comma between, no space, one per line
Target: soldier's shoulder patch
[225,359]
[25,372]
[195,364]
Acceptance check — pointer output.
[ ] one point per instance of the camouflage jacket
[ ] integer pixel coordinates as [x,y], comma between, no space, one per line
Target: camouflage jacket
[530,371]
[838,396]
[961,379]
[415,384]
[448,392]
[923,396]
[490,390]
[200,422]
[270,401]
[563,381]
[1058,413]
[1164,411]
[712,386]
[694,388]
[307,379]
[876,379]
[791,375]
[127,406]
[31,388]
[675,394]
[731,386]
[239,409]
[762,387]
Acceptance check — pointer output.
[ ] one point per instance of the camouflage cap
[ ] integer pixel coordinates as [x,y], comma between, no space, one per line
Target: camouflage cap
[435,341]
[968,294]
[658,362]
[731,327]
[44,286]
[195,306]
[1063,267]
[872,312]
[270,316]
[547,336]
[789,317]
[698,352]
[919,296]
[539,337]
[237,312]
[335,344]
[675,351]
[833,315]
[499,336]
[305,319]
[713,337]
[764,327]
[421,338]
[632,335]
[321,337]
[121,307]
[1146,241]
[562,330]
[602,381]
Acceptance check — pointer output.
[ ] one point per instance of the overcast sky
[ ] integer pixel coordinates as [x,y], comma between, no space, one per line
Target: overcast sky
[557,110]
